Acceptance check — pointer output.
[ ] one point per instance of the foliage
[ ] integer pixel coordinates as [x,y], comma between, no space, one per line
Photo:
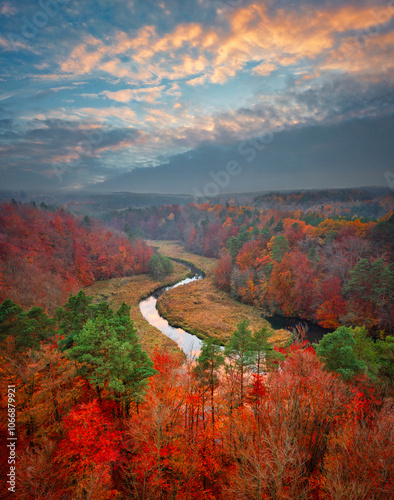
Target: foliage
[160,266]
[338,351]
[45,255]
[110,355]
[28,328]
[325,262]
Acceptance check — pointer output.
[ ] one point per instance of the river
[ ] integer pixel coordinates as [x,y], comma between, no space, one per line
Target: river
[314,332]
[190,344]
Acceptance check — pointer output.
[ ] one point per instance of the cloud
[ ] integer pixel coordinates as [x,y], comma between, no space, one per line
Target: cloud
[7,9]
[149,94]
[201,54]
[102,115]
[367,55]
[356,153]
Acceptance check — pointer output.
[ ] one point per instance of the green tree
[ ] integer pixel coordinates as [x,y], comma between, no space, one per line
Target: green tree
[234,244]
[372,283]
[313,255]
[28,328]
[208,364]
[128,231]
[280,248]
[266,233]
[365,350]
[263,353]
[72,317]
[86,222]
[111,356]
[279,228]
[337,351]
[160,266]
[239,352]
[385,355]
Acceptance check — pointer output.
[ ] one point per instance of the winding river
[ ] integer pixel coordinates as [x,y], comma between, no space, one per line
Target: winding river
[190,344]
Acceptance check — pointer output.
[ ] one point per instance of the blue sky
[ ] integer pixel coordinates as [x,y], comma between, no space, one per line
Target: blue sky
[159,96]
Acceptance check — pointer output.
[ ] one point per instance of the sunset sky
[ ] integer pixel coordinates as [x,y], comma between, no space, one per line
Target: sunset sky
[158,96]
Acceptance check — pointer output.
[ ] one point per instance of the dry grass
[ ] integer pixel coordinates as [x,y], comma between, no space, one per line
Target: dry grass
[201,308]
[131,291]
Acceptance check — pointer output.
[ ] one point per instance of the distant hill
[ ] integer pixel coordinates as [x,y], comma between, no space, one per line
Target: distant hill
[97,204]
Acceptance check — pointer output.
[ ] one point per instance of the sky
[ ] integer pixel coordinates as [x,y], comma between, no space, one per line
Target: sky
[196,96]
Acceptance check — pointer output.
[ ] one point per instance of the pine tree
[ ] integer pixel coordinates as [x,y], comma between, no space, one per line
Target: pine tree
[337,351]
[263,353]
[209,362]
[111,357]
[239,351]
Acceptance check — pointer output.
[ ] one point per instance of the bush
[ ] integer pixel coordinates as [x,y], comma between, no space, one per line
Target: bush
[160,266]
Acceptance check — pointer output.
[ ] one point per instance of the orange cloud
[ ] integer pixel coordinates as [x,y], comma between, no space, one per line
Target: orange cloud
[367,56]
[250,34]
[150,94]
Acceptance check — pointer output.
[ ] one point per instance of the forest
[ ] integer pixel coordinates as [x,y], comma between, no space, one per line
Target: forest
[100,418]
[46,253]
[323,265]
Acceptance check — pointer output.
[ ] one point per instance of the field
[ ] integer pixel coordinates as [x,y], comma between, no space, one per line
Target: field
[131,291]
[201,308]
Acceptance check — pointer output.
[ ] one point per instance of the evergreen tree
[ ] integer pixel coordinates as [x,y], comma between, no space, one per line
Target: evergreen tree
[263,353]
[279,227]
[72,317]
[337,351]
[266,233]
[239,352]
[208,364]
[128,231]
[280,248]
[365,349]
[28,328]
[111,356]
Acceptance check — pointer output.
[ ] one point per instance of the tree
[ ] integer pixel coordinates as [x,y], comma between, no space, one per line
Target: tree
[160,266]
[209,362]
[88,452]
[28,328]
[264,355]
[280,248]
[223,273]
[239,351]
[365,349]
[333,305]
[337,351]
[234,244]
[371,291]
[73,316]
[385,356]
[111,357]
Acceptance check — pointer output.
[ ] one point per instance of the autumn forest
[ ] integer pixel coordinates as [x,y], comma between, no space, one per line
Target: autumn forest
[107,408]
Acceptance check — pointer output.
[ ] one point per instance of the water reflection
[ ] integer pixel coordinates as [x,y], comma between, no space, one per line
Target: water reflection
[190,344]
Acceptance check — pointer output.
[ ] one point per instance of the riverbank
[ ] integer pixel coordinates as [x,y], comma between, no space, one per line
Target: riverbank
[132,290]
[200,308]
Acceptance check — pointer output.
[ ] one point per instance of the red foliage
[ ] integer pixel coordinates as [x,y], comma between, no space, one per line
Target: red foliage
[333,305]
[44,256]
[223,272]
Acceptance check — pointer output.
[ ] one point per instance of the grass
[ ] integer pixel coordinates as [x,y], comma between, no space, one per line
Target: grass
[200,308]
[132,290]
